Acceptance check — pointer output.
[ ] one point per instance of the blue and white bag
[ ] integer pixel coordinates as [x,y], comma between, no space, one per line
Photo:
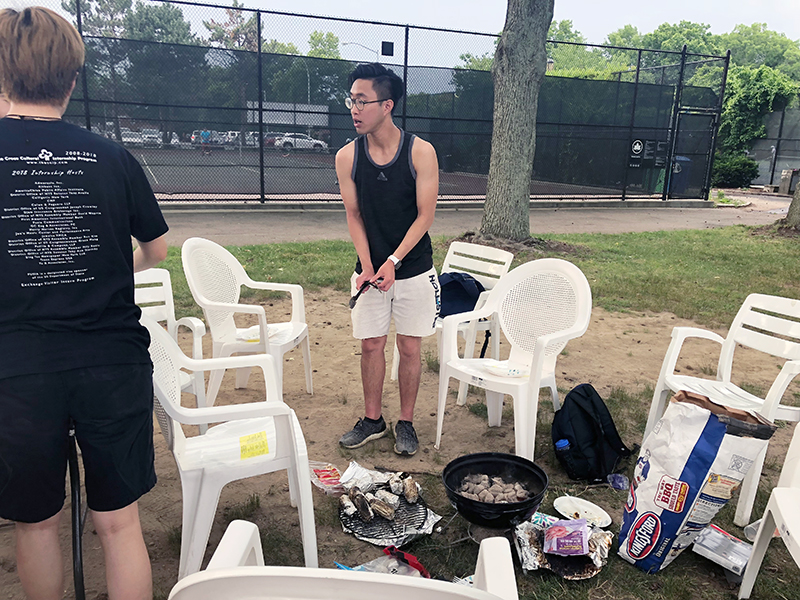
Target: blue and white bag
[689,466]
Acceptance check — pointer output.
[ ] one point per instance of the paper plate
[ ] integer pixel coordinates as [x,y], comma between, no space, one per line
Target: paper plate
[503,369]
[578,508]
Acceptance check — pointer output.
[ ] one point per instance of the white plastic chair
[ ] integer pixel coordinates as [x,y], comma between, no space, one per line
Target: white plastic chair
[487,265]
[781,512]
[236,572]
[215,279]
[252,439]
[764,323]
[540,306]
[153,294]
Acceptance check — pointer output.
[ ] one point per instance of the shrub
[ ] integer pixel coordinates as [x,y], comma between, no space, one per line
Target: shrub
[733,171]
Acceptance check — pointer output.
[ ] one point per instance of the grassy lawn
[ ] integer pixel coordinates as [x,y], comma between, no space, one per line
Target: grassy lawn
[702,275]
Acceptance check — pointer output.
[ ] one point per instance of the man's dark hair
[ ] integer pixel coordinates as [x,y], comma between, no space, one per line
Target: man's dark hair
[384,81]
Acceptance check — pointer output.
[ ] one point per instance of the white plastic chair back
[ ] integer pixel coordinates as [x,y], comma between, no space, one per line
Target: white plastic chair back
[153,295]
[215,275]
[539,298]
[484,263]
[768,324]
[166,384]
[237,572]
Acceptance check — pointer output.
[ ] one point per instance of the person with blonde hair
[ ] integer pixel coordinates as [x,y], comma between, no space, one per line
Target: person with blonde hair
[74,353]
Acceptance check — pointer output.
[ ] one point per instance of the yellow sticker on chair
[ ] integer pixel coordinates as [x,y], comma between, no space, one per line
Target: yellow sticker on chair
[253,445]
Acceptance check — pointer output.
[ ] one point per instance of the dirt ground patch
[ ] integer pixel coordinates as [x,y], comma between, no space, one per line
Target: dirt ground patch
[618,350]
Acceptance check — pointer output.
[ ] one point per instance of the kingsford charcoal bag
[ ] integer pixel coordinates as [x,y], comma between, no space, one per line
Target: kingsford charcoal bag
[689,466]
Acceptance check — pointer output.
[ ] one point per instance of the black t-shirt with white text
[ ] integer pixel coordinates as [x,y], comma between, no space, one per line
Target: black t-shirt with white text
[70,201]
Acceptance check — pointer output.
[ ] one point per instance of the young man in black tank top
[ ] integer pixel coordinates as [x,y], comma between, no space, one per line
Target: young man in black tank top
[389,182]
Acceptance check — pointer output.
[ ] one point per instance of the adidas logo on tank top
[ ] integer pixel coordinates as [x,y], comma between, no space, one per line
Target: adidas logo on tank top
[382,177]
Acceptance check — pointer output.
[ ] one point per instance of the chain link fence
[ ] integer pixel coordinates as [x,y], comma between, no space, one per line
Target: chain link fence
[779,150]
[221,103]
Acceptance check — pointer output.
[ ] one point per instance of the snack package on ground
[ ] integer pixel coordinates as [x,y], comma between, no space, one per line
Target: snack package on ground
[722,548]
[326,477]
[529,538]
[567,538]
[688,468]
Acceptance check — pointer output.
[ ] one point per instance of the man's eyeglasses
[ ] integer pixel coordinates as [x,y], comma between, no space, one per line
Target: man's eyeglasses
[364,287]
[359,103]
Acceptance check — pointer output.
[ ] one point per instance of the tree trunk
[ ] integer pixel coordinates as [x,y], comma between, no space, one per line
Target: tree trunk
[793,216]
[518,70]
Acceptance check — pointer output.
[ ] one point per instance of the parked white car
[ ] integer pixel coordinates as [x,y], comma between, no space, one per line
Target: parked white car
[151,137]
[300,141]
[131,138]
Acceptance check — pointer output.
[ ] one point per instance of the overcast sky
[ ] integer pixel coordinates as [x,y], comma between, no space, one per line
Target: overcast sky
[593,18]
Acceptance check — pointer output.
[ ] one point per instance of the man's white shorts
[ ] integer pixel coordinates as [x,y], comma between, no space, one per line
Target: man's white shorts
[414,304]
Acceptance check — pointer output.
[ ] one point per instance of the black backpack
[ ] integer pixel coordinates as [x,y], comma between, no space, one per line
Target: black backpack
[459,293]
[593,448]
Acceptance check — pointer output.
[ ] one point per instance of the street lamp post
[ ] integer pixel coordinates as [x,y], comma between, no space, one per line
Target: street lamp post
[377,55]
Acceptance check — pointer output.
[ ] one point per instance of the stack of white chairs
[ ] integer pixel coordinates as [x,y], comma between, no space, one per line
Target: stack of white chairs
[539,306]
[250,439]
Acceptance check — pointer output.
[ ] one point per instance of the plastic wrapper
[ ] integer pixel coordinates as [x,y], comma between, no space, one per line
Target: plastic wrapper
[326,477]
[567,538]
[529,540]
[724,549]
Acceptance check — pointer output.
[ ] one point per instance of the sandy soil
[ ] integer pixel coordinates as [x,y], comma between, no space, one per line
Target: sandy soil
[619,350]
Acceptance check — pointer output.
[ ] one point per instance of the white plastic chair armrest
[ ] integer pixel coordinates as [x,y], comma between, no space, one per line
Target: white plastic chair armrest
[294,290]
[494,572]
[450,327]
[482,299]
[198,329]
[789,371]
[223,414]
[253,309]
[679,336]
[240,546]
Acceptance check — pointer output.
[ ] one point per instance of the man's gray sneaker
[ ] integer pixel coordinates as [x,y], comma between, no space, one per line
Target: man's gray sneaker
[363,432]
[405,439]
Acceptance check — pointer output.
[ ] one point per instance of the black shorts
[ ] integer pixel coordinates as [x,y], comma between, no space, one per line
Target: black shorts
[112,407]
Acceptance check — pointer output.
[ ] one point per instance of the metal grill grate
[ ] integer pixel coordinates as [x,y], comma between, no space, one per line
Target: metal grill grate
[407,517]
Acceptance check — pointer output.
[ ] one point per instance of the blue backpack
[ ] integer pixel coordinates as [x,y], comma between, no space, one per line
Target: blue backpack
[459,293]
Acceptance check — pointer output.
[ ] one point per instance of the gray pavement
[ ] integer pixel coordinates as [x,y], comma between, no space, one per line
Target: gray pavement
[262,225]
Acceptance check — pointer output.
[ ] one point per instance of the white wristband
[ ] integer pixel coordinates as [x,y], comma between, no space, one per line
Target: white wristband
[395,261]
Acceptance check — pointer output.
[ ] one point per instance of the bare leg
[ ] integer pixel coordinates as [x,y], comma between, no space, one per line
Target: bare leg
[408,374]
[39,561]
[128,574]
[373,371]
